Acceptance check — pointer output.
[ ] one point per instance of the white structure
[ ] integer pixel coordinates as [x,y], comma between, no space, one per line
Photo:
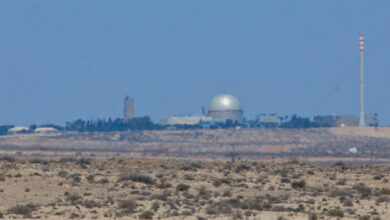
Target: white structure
[268,119]
[18,130]
[362,121]
[184,120]
[46,130]
[224,107]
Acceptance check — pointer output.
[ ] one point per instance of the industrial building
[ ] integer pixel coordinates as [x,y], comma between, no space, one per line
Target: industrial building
[128,109]
[336,121]
[268,120]
[226,107]
[345,121]
[185,120]
[372,120]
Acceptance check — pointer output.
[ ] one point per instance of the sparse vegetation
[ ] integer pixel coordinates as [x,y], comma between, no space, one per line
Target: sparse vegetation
[212,191]
[182,187]
[298,184]
[137,178]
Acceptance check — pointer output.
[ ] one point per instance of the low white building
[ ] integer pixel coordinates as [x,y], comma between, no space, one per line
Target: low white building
[46,130]
[185,120]
[18,130]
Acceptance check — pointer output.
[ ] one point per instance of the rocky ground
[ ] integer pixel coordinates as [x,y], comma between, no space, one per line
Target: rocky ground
[168,189]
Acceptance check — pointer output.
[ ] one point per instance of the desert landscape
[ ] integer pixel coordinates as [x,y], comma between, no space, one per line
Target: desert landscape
[315,144]
[77,188]
[197,174]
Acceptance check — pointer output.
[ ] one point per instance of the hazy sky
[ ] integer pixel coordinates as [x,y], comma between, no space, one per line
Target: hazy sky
[63,60]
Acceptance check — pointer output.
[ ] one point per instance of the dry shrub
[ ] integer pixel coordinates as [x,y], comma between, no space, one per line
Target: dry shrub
[313,216]
[73,197]
[298,184]
[364,191]
[182,187]
[137,178]
[219,182]
[146,215]
[203,193]
[24,210]
[336,212]
[90,204]
[127,206]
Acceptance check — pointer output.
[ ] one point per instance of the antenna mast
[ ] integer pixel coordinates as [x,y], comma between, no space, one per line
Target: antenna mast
[362,121]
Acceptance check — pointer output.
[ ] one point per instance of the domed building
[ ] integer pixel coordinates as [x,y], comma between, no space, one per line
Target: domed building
[224,107]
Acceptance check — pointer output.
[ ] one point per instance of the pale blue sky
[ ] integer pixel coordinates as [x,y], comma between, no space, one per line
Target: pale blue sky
[63,60]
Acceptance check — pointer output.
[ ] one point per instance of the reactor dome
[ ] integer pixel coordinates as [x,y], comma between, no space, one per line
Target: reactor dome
[224,107]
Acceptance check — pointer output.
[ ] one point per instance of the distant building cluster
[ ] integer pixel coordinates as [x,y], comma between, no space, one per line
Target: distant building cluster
[224,108]
[345,120]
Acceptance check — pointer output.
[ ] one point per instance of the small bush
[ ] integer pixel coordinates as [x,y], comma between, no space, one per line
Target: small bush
[182,187]
[336,212]
[348,203]
[8,159]
[203,193]
[84,161]
[155,206]
[219,182]
[313,216]
[242,167]
[22,210]
[385,191]
[127,206]
[137,178]
[90,178]
[191,166]
[298,184]
[62,173]
[381,199]
[146,215]
[90,204]
[285,180]
[73,197]
[365,192]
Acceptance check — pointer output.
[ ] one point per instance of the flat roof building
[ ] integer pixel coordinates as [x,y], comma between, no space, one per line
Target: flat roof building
[185,120]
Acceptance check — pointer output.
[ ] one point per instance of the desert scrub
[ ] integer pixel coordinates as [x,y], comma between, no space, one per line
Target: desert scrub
[364,191]
[146,215]
[91,178]
[182,187]
[219,182]
[24,210]
[336,212]
[127,206]
[137,178]
[73,197]
[242,167]
[298,184]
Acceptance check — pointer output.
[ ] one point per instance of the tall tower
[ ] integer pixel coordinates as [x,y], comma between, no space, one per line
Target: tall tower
[128,109]
[362,121]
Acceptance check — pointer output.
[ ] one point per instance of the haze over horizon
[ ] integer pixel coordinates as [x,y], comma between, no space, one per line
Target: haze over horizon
[64,60]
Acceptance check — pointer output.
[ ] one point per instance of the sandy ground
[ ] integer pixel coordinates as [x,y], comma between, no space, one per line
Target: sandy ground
[169,189]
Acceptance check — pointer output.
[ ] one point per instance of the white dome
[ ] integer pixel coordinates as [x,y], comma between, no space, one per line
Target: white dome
[225,102]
